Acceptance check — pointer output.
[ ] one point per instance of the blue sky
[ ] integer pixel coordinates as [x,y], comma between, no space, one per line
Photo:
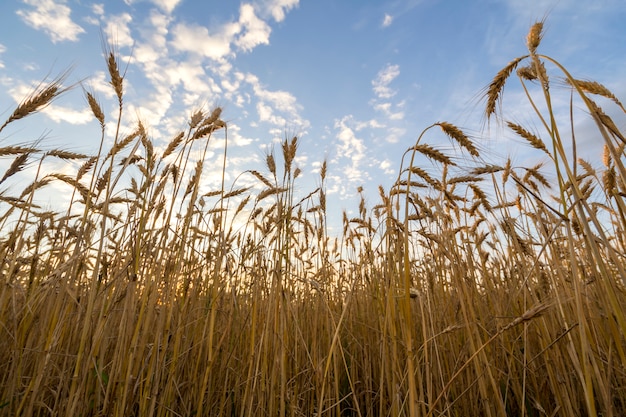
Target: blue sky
[356,80]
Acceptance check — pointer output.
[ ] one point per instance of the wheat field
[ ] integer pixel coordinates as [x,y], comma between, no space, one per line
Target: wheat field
[468,289]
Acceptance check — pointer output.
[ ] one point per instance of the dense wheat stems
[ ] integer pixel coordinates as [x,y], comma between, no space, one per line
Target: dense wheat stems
[474,285]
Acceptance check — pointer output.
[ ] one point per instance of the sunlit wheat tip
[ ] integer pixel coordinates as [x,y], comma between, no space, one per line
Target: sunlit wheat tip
[533,39]
[464,179]
[117,81]
[605,120]
[212,118]
[487,169]
[458,135]
[433,153]
[507,171]
[494,91]
[102,182]
[535,173]
[16,166]
[195,119]
[58,153]
[86,167]
[16,150]
[534,141]
[595,87]
[271,163]
[270,191]
[95,107]
[609,181]
[39,99]
[261,178]
[481,195]
[173,144]
[237,192]
[424,175]
[586,166]
[606,156]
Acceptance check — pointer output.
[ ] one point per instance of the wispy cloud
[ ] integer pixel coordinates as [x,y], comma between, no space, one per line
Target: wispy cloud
[198,40]
[255,31]
[52,18]
[387,20]
[67,114]
[167,6]
[278,8]
[2,50]
[386,109]
[278,108]
[117,29]
[383,79]
[190,63]
[245,34]
[351,152]
[392,112]
[387,167]
[54,111]
[97,9]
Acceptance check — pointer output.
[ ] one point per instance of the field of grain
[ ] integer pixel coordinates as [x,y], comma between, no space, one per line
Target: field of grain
[467,289]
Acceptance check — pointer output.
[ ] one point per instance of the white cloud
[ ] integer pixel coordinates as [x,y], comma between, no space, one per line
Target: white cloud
[146,54]
[279,108]
[54,111]
[385,108]
[352,149]
[159,29]
[153,109]
[350,146]
[99,84]
[394,134]
[278,8]
[236,138]
[247,33]
[53,18]
[118,31]
[197,39]
[256,31]
[98,9]
[387,20]
[383,79]
[65,114]
[167,6]
[387,167]
[372,123]
[2,50]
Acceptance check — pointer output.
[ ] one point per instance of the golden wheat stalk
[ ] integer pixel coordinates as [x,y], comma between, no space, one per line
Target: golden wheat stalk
[95,107]
[533,39]
[494,91]
[534,141]
[596,88]
[41,97]
[458,135]
[84,191]
[433,153]
[16,166]
[66,155]
[173,145]
[16,150]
